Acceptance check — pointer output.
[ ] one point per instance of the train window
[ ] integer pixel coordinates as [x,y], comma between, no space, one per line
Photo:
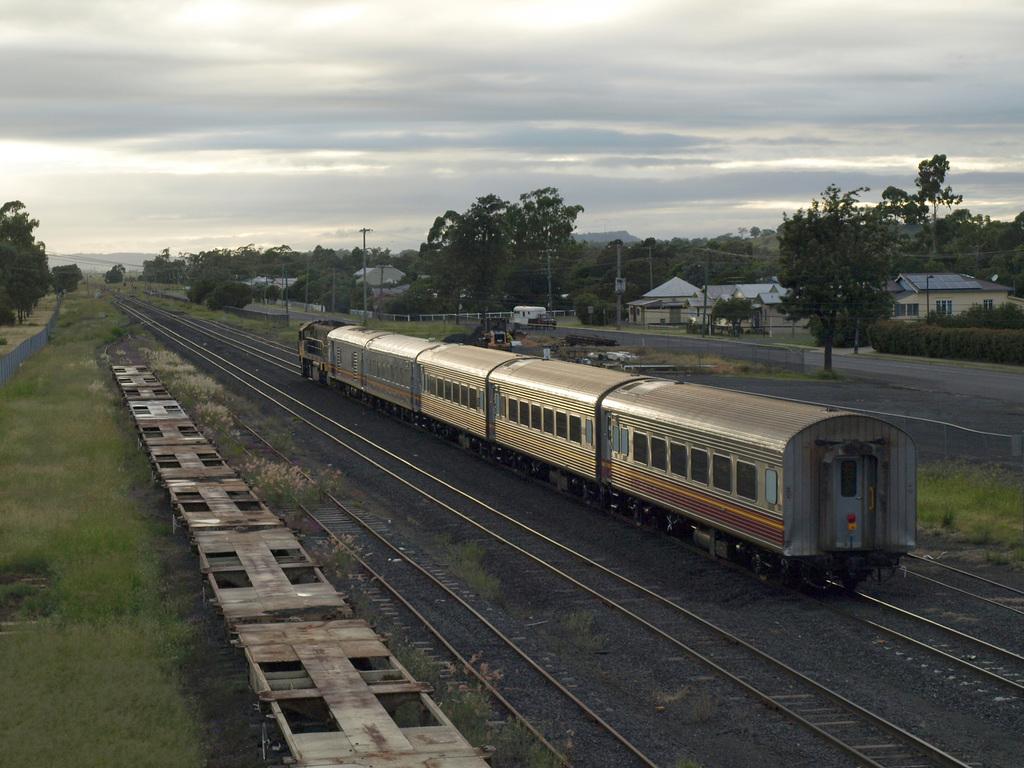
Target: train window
[677,459]
[474,396]
[447,390]
[590,431]
[746,480]
[659,454]
[699,466]
[639,447]
[561,424]
[625,441]
[535,416]
[549,421]
[575,429]
[848,478]
[722,473]
[771,486]
[464,395]
[615,439]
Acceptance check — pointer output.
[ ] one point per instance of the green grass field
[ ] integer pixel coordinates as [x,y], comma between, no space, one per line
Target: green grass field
[91,651]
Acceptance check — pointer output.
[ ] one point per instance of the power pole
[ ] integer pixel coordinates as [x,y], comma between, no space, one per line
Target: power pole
[364,230]
[550,305]
[620,287]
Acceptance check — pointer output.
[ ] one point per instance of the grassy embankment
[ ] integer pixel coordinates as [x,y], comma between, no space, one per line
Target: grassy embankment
[91,650]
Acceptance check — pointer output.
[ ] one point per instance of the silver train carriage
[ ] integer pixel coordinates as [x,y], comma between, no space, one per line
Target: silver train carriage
[802,490]
[797,490]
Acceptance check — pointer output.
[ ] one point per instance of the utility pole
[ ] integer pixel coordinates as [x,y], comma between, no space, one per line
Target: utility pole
[620,287]
[704,324]
[550,305]
[364,230]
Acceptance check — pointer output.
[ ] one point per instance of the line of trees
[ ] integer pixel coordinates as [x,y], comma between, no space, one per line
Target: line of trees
[836,256]
[24,272]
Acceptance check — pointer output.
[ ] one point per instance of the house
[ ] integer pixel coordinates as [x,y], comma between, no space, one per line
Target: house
[673,303]
[677,302]
[382,274]
[945,293]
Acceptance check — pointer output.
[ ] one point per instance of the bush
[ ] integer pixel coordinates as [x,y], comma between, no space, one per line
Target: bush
[979,344]
[229,295]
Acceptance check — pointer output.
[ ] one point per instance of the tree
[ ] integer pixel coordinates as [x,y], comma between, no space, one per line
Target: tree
[115,274]
[734,311]
[470,253]
[66,278]
[24,273]
[834,259]
[540,228]
[229,295]
[930,176]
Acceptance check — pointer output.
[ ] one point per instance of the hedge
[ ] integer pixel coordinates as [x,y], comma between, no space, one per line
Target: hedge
[978,344]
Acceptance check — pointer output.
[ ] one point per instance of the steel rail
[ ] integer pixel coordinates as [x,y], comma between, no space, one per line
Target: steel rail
[587,710]
[926,749]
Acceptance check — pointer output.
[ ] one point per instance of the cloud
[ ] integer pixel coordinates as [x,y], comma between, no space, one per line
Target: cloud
[142,125]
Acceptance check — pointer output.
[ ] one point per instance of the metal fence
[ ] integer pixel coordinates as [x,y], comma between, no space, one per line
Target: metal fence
[9,364]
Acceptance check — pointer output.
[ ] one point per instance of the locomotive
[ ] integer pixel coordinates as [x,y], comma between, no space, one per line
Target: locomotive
[799,492]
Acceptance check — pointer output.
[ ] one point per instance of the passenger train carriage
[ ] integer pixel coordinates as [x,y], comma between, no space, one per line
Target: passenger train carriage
[798,490]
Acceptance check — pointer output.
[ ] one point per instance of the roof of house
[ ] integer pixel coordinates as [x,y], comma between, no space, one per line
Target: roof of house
[674,288]
[943,281]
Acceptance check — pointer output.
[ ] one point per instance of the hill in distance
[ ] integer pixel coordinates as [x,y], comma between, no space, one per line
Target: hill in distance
[605,237]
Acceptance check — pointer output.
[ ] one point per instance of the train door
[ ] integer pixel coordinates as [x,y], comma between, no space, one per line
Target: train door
[853,481]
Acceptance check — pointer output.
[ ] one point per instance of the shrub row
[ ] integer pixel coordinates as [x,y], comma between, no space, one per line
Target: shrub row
[980,344]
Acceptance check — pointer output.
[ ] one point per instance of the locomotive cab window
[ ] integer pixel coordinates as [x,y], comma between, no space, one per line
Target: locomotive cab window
[639,447]
[722,473]
[746,480]
[699,466]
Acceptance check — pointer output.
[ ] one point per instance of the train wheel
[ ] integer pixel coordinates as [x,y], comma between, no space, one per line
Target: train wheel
[850,582]
[761,566]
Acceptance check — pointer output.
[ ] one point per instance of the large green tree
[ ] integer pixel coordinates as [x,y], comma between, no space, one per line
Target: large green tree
[834,261]
[931,174]
[24,272]
[470,253]
[66,278]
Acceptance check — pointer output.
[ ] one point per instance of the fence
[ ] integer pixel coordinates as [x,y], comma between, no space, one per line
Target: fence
[451,317]
[9,364]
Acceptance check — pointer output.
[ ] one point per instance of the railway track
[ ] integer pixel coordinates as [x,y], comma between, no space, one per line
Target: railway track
[784,690]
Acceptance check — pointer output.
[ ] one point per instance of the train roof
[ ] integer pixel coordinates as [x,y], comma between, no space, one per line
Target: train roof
[732,415]
[466,358]
[403,346]
[357,334]
[561,378]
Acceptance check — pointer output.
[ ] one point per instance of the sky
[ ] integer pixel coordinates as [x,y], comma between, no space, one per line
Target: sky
[139,125]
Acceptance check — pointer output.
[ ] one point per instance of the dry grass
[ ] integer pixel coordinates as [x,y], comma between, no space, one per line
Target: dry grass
[13,335]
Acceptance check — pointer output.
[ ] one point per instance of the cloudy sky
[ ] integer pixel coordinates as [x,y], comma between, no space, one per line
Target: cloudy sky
[138,125]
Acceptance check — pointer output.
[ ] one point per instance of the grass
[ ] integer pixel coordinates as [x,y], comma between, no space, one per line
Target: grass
[580,626]
[981,505]
[12,335]
[465,561]
[90,672]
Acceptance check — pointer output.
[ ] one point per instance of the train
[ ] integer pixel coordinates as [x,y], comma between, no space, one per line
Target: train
[797,492]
